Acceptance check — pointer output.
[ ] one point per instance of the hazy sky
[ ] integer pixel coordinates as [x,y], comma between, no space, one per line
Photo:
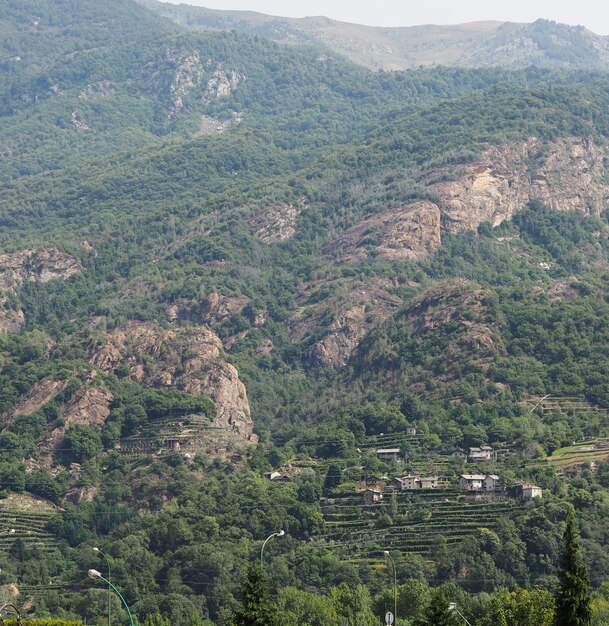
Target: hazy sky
[593,14]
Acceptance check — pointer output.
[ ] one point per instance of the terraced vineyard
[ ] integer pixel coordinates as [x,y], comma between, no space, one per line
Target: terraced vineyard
[424,519]
[28,526]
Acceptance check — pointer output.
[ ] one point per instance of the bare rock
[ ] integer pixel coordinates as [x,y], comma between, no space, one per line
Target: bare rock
[90,406]
[213,309]
[221,83]
[277,222]
[408,232]
[566,174]
[29,266]
[38,397]
[190,358]
[345,317]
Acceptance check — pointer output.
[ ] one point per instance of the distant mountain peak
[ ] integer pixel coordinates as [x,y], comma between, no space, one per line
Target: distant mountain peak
[542,43]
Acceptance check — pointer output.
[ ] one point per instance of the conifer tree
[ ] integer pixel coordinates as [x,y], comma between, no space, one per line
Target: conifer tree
[437,612]
[573,605]
[256,608]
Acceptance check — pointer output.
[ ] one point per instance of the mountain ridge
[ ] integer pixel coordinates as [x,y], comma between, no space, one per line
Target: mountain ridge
[542,43]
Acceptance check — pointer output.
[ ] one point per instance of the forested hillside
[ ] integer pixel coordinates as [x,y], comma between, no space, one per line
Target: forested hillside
[232,271]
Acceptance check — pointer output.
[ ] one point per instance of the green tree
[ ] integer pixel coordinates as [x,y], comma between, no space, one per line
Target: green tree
[437,612]
[573,603]
[521,608]
[256,608]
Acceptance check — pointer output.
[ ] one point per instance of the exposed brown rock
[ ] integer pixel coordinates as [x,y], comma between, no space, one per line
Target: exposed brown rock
[408,232]
[462,305]
[353,309]
[213,309]
[190,358]
[565,175]
[38,397]
[29,266]
[277,222]
[89,406]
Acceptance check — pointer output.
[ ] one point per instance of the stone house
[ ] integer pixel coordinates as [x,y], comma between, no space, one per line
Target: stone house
[370,482]
[492,483]
[472,482]
[372,496]
[483,453]
[388,454]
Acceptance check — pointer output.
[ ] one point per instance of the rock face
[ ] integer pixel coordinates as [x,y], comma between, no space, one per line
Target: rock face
[277,223]
[345,319]
[462,305]
[189,358]
[565,175]
[17,268]
[568,174]
[38,397]
[410,232]
[90,406]
[221,83]
[213,309]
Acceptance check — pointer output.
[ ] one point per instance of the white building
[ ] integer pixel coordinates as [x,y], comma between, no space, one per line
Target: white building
[472,482]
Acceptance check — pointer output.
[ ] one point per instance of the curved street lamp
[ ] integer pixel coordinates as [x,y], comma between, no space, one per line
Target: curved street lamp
[15,610]
[109,595]
[280,533]
[395,587]
[452,607]
[94,574]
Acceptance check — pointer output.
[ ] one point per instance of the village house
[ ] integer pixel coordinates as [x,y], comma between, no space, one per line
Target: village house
[370,482]
[472,482]
[283,474]
[460,454]
[414,482]
[388,454]
[372,496]
[529,491]
[492,483]
[411,430]
[483,453]
[429,482]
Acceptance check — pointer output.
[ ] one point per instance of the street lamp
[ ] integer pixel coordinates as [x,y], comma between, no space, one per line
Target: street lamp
[15,610]
[453,607]
[395,587]
[94,574]
[281,533]
[109,595]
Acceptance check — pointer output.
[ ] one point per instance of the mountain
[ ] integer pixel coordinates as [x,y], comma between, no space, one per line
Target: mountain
[542,43]
[232,270]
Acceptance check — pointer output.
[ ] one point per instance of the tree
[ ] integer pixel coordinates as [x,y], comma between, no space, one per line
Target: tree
[573,603]
[437,612]
[256,608]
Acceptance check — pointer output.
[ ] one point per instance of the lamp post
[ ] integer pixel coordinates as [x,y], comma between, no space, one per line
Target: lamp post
[94,574]
[453,607]
[395,586]
[15,611]
[108,562]
[280,533]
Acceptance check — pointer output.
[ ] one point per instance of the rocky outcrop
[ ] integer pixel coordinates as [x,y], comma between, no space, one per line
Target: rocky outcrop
[277,222]
[90,406]
[38,397]
[213,309]
[344,319]
[221,83]
[463,307]
[568,174]
[408,232]
[29,266]
[189,358]
[94,91]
